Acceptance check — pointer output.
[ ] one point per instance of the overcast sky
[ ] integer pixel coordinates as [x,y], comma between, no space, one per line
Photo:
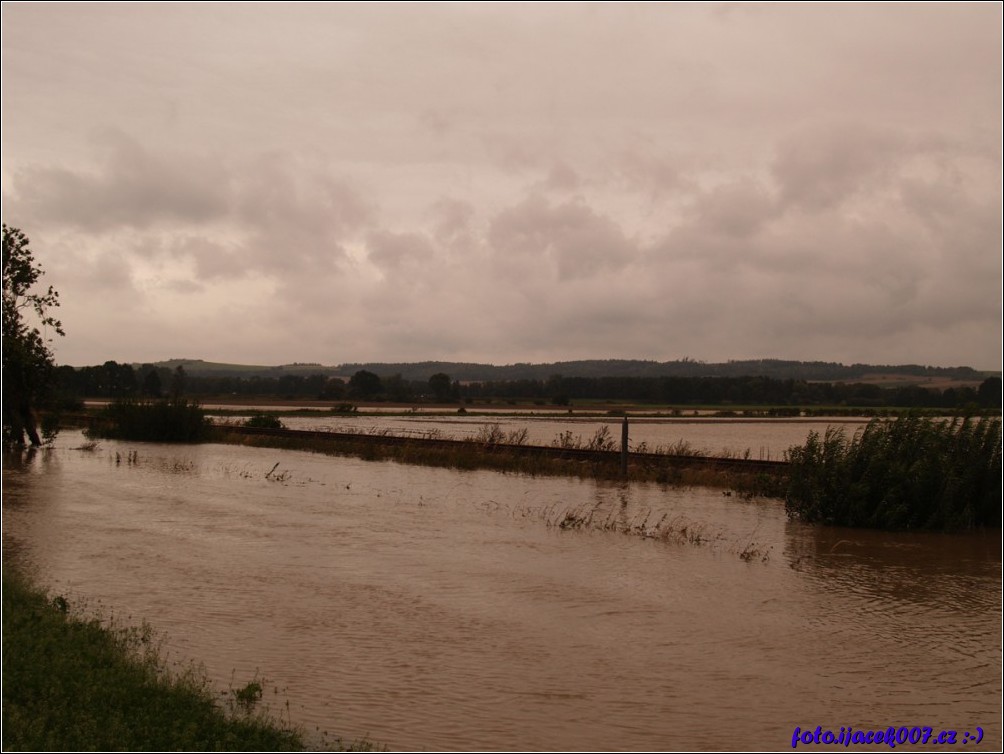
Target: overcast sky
[265,184]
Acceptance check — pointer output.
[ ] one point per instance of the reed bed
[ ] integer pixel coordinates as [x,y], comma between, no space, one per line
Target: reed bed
[910,473]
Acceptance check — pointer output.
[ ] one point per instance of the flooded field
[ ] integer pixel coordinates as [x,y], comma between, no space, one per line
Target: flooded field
[765,439]
[437,609]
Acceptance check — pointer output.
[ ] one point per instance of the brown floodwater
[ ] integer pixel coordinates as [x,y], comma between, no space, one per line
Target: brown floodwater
[435,609]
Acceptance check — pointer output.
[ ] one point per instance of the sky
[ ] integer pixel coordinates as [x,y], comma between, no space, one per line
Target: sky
[501,183]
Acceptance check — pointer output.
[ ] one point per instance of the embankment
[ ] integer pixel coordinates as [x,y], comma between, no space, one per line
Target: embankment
[745,475]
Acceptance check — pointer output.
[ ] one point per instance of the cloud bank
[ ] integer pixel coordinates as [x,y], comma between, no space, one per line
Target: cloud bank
[352,183]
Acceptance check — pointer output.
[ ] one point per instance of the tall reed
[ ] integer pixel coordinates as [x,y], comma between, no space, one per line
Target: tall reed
[910,473]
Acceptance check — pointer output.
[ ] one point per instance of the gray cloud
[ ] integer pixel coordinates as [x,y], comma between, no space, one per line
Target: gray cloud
[295,217]
[272,214]
[570,240]
[737,210]
[452,220]
[392,251]
[824,165]
[129,186]
[561,177]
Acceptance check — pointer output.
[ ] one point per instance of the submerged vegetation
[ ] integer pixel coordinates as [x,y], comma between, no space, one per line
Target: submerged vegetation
[911,473]
[495,449]
[73,684]
[174,420]
[665,528]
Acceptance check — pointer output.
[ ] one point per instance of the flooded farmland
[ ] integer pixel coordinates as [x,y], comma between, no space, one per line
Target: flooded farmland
[430,608]
[765,439]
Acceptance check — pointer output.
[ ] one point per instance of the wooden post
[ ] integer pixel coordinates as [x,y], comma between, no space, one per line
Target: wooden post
[624,447]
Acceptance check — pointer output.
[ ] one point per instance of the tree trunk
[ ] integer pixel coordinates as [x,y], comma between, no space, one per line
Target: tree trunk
[28,422]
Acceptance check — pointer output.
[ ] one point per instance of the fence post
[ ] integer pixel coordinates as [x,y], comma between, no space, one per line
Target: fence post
[624,446]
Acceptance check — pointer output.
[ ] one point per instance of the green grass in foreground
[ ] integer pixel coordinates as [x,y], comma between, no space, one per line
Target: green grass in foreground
[71,684]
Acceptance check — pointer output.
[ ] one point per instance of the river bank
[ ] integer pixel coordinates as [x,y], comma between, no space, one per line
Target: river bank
[72,683]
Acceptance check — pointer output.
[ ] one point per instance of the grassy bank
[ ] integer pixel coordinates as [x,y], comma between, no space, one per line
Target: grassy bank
[72,684]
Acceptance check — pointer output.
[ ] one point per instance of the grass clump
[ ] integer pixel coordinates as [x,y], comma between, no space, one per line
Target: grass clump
[71,685]
[176,420]
[909,473]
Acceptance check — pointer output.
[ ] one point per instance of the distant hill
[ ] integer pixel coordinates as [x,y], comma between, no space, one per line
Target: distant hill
[811,371]
[219,369]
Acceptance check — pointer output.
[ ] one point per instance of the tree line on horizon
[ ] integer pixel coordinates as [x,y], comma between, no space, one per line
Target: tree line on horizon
[114,380]
[819,371]
[813,371]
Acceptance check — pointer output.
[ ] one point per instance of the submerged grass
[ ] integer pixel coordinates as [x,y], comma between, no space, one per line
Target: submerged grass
[73,684]
[668,528]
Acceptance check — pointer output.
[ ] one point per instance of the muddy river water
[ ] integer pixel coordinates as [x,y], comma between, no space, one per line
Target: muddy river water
[434,609]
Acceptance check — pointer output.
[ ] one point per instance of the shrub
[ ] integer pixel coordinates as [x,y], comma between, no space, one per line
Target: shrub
[602,440]
[490,434]
[910,473]
[264,421]
[174,420]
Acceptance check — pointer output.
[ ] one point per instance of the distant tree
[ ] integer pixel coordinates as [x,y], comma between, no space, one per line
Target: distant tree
[152,386]
[397,388]
[989,393]
[115,380]
[556,390]
[365,384]
[178,382]
[334,389]
[28,364]
[441,387]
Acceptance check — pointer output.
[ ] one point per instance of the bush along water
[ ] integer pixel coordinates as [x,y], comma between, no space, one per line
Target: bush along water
[910,473]
[261,420]
[175,420]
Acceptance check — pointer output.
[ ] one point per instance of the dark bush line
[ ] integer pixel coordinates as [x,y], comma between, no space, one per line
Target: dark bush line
[115,380]
[175,420]
[261,420]
[911,473]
